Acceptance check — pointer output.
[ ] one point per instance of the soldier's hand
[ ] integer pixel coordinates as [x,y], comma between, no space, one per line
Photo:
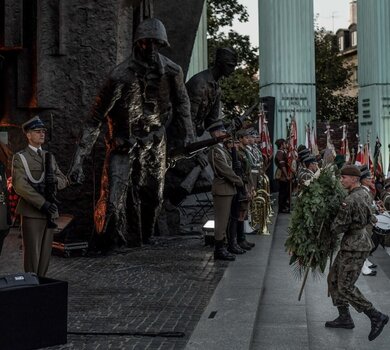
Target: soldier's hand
[51,178]
[201,160]
[49,208]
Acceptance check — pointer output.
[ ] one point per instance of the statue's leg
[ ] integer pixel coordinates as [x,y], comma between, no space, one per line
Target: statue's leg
[152,163]
[112,201]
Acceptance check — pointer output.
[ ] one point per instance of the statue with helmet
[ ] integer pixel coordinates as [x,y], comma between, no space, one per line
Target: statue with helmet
[140,99]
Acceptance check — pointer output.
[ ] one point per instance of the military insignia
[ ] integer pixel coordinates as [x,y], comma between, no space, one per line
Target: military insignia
[344,205]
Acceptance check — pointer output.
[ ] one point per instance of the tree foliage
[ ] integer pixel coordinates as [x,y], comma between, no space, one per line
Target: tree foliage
[241,89]
[332,75]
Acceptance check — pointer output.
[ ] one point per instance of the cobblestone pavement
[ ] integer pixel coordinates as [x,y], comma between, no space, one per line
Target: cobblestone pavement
[145,298]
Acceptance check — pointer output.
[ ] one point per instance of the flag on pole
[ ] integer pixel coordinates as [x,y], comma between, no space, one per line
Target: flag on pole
[378,164]
[292,155]
[308,137]
[344,145]
[359,156]
[313,142]
[265,139]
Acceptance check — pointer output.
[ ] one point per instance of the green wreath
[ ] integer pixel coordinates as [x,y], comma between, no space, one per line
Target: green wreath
[310,241]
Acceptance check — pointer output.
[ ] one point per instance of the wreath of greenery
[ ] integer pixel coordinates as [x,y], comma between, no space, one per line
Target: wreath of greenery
[310,241]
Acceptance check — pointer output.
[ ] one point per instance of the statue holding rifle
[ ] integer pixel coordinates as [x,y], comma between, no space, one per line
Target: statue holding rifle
[140,99]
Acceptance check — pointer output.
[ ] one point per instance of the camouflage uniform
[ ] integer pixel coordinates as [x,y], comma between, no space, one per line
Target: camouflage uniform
[354,215]
[304,174]
[385,197]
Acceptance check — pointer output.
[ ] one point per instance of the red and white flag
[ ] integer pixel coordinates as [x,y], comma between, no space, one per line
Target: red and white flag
[344,145]
[292,155]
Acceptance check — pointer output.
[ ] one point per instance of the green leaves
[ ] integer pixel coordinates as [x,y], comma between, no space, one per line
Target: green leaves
[241,89]
[317,205]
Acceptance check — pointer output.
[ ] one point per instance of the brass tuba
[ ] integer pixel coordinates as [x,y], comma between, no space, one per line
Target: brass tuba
[261,207]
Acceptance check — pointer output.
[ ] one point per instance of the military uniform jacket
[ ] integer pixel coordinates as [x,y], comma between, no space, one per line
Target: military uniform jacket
[385,197]
[31,201]
[225,180]
[281,162]
[353,217]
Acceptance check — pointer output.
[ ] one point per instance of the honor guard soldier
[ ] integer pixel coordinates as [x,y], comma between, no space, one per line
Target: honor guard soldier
[29,177]
[352,219]
[282,176]
[223,189]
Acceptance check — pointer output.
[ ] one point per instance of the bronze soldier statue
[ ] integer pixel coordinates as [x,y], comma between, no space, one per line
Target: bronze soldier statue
[204,93]
[352,219]
[140,99]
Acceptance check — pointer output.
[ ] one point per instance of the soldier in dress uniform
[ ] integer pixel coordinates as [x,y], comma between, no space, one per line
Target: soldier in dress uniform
[247,165]
[282,176]
[352,219]
[223,189]
[28,180]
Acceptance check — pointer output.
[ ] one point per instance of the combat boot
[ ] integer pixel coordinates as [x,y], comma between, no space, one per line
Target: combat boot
[241,239]
[233,247]
[378,321]
[343,321]
[220,252]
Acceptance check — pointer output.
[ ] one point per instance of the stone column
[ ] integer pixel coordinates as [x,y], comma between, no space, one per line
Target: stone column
[286,40]
[373,73]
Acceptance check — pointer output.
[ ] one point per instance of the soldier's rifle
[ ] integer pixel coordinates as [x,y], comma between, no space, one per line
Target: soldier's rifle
[193,149]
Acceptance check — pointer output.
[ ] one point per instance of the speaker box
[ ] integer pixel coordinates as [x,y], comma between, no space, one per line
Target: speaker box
[34,317]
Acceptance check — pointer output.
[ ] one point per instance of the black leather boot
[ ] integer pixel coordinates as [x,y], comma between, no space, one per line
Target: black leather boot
[241,239]
[220,252]
[343,321]
[233,247]
[378,321]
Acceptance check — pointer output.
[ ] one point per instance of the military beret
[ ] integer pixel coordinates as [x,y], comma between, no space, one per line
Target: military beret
[365,172]
[302,154]
[218,125]
[301,148]
[309,159]
[33,124]
[350,170]
[242,133]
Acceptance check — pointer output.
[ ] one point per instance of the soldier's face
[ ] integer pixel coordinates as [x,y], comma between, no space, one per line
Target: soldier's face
[348,182]
[149,49]
[36,137]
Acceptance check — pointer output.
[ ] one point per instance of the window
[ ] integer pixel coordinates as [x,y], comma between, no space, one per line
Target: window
[341,43]
[354,38]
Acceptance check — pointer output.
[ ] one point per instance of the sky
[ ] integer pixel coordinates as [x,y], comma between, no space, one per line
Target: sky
[332,14]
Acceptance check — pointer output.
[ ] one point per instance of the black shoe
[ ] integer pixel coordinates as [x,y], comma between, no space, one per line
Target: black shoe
[378,321]
[244,245]
[372,273]
[251,244]
[235,249]
[373,266]
[343,321]
[223,254]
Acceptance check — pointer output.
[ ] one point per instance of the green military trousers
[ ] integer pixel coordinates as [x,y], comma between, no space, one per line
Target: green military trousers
[342,278]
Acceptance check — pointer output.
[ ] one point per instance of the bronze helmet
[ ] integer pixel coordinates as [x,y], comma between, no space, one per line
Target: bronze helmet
[151,28]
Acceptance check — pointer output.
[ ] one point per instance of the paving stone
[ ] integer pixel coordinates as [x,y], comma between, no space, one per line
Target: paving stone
[159,288]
